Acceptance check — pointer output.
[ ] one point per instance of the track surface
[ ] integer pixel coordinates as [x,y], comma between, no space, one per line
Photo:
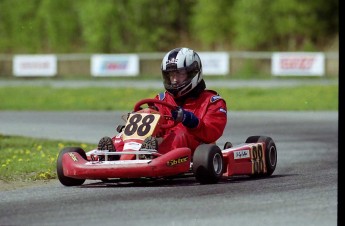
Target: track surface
[302,190]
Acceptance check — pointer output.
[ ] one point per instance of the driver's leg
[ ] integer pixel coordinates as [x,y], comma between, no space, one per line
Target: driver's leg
[178,139]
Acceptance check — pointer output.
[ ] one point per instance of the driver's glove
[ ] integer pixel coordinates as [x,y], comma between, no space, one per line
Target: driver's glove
[187,118]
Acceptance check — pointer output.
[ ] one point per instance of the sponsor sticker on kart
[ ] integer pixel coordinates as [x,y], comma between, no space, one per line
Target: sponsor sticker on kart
[241,154]
[73,157]
[174,162]
[132,146]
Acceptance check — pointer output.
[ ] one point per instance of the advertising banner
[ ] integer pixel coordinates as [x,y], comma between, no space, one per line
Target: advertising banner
[298,63]
[34,65]
[115,65]
[215,63]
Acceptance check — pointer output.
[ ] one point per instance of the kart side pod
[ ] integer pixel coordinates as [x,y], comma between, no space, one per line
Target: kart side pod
[257,157]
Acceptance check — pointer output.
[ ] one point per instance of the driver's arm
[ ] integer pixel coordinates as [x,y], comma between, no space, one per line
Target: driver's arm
[212,124]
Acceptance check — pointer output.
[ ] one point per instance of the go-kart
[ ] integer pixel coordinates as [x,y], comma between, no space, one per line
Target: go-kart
[208,164]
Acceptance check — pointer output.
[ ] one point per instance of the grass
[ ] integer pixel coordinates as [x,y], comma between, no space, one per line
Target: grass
[25,158]
[300,98]
[303,98]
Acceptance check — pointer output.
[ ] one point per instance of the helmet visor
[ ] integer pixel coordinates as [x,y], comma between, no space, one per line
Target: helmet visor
[176,78]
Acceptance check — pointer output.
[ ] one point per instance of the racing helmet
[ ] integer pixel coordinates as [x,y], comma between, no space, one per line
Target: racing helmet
[181,60]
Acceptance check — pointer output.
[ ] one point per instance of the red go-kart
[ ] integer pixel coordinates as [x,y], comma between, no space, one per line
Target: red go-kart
[208,163]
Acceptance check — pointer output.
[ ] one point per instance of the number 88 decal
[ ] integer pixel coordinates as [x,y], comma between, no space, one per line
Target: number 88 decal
[139,125]
[258,159]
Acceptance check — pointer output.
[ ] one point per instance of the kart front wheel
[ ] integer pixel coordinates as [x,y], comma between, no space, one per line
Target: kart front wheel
[68,181]
[270,152]
[208,163]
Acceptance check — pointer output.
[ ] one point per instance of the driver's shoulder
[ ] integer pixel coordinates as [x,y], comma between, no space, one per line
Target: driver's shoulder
[160,96]
[210,92]
[164,96]
[211,95]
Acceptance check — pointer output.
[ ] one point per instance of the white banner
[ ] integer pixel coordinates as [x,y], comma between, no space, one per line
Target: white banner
[115,65]
[298,63]
[214,63]
[35,65]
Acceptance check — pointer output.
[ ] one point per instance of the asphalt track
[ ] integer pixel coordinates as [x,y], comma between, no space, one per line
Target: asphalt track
[302,190]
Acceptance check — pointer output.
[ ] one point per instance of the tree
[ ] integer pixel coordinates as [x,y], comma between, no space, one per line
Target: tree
[57,26]
[284,24]
[114,26]
[213,23]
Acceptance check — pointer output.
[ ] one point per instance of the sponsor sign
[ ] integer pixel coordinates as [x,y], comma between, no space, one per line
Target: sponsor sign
[115,65]
[298,63]
[34,65]
[215,63]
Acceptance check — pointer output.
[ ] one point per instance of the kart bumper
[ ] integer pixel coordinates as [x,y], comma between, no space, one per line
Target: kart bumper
[172,163]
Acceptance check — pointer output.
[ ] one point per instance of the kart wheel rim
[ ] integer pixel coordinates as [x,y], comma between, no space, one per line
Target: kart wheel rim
[217,163]
[272,156]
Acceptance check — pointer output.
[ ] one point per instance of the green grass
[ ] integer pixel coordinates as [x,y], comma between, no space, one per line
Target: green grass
[303,98]
[25,158]
[300,98]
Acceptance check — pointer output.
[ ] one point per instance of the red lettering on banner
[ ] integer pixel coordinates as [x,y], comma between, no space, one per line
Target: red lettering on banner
[115,65]
[111,66]
[303,63]
[39,65]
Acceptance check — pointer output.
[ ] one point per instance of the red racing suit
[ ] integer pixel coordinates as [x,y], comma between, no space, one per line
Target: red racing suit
[208,107]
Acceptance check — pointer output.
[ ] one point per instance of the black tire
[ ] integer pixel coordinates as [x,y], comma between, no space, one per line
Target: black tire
[68,181]
[208,164]
[270,152]
[227,145]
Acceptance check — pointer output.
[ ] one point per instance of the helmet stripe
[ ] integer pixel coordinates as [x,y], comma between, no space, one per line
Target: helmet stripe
[174,53]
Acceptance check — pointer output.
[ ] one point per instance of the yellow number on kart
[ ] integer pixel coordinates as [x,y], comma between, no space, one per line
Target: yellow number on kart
[140,125]
[258,159]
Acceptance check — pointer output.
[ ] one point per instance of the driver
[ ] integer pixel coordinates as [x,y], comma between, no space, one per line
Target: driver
[202,112]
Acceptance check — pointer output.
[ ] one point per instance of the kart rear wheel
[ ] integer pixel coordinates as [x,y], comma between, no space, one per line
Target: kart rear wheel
[270,152]
[208,164]
[227,145]
[68,181]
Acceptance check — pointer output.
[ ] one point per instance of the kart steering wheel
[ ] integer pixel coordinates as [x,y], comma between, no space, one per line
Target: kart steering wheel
[151,102]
